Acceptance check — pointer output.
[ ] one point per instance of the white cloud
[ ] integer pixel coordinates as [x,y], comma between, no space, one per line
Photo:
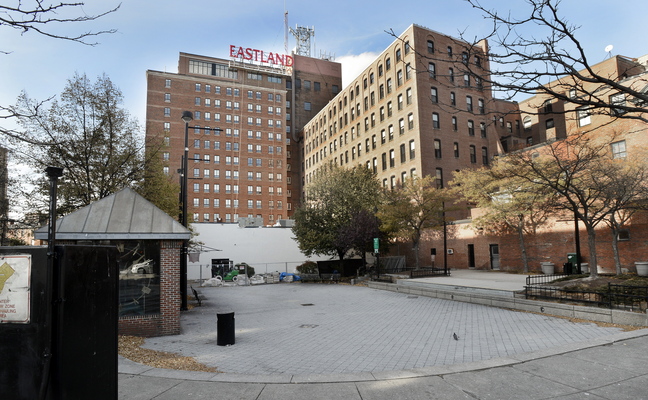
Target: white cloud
[353,65]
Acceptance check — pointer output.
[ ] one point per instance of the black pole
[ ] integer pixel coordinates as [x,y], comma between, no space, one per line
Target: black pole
[52,337]
[186,117]
[445,240]
[577,242]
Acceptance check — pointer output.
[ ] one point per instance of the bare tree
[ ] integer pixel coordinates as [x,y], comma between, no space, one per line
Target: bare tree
[586,180]
[553,62]
[44,18]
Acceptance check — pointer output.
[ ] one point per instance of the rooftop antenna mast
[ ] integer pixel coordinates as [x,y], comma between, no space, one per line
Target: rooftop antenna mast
[303,36]
[285,29]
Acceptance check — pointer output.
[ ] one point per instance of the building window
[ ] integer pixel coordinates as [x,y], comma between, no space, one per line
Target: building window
[437,148]
[584,116]
[455,148]
[473,154]
[432,70]
[471,128]
[454,124]
[434,93]
[618,100]
[412,149]
[436,124]
[453,99]
[439,178]
[399,78]
[466,80]
[392,158]
[469,103]
[484,155]
[430,46]
[526,122]
[451,74]
[619,149]
[403,154]
[480,105]
[548,124]
[482,129]
[449,51]
[167,111]
[547,107]
[167,83]
[167,97]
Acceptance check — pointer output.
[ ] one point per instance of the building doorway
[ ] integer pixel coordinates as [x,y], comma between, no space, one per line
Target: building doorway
[494,256]
[471,256]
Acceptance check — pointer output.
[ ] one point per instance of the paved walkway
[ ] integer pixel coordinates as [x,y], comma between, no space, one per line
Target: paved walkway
[335,341]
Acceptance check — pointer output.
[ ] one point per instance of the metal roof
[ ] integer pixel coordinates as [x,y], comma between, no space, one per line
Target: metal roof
[122,215]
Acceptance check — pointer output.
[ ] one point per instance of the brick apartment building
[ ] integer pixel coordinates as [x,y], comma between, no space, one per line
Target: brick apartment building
[244,157]
[420,108]
[546,119]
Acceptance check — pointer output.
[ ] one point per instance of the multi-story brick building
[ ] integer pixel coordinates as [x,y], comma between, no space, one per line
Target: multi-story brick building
[419,108]
[549,118]
[243,139]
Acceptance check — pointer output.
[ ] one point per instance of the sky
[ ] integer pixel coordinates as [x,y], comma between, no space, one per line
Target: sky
[151,33]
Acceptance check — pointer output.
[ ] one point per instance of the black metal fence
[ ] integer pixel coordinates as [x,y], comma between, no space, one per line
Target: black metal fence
[426,272]
[623,297]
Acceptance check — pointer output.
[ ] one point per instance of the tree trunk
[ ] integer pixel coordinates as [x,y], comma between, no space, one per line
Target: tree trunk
[416,254]
[615,250]
[525,260]
[591,241]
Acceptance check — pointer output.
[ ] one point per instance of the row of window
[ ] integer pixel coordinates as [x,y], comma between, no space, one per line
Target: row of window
[234,203]
[465,57]
[369,122]
[481,108]
[436,124]
[467,81]
[235,189]
[229,218]
[385,135]
[231,105]
[306,85]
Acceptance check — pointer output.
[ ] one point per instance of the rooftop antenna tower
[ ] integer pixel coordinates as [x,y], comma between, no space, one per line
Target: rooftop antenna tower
[303,36]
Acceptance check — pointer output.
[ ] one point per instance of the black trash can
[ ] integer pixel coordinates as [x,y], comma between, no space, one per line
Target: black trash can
[567,268]
[225,329]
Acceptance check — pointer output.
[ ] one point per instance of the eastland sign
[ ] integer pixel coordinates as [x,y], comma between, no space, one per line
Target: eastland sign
[261,56]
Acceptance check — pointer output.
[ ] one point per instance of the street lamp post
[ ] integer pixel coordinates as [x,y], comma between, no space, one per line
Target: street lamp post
[186,117]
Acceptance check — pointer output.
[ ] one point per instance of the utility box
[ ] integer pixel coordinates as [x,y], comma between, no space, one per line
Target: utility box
[62,337]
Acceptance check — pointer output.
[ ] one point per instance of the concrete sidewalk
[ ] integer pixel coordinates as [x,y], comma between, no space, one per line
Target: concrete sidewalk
[613,368]
[335,341]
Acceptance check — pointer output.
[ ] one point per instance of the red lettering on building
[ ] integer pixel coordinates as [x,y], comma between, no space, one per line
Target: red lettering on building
[256,55]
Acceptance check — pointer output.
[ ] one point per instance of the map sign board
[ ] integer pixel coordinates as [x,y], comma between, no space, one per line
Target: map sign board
[15,282]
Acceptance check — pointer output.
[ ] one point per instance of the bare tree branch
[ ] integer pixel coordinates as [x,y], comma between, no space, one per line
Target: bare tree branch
[555,63]
[42,16]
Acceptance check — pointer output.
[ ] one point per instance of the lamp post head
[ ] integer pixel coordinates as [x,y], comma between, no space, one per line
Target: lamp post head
[187,116]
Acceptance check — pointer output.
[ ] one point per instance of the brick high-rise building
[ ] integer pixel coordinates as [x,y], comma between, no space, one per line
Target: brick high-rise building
[421,108]
[244,137]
